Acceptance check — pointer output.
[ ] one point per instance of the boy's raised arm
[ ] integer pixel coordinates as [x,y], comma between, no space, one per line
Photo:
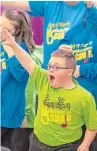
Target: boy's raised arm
[24,58]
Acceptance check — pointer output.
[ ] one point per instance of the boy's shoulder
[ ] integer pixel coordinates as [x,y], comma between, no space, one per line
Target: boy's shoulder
[83,93]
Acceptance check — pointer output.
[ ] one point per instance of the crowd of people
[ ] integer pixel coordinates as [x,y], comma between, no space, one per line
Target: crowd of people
[61,112]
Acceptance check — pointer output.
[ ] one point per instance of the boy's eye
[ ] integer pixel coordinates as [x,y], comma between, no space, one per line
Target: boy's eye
[56,68]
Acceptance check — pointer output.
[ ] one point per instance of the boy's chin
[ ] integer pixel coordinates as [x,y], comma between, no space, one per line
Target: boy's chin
[54,86]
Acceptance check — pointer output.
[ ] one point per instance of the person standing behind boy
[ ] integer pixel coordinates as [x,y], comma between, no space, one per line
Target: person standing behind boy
[13,76]
[83,40]
[57,19]
[61,110]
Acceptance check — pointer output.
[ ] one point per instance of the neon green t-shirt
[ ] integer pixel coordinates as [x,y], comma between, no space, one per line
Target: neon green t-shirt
[61,112]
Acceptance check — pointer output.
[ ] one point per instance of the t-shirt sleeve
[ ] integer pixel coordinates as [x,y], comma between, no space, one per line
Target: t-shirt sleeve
[91,18]
[39,77]
[14,69]
[37,8]
[90,114]
[17,71]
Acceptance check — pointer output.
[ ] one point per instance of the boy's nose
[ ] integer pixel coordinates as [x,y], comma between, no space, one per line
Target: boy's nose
[51,70]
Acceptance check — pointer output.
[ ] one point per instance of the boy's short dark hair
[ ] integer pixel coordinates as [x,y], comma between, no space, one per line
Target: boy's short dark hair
[70,61]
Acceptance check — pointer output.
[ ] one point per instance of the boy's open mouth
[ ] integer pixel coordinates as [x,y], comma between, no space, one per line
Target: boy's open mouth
[52,78]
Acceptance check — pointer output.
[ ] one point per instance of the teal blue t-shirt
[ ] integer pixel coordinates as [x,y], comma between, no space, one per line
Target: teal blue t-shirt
[13,83]
[59,17]
[83,39]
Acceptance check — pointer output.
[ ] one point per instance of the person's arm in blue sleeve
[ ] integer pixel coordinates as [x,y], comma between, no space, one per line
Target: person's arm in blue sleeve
[69,36]
[66,40]
[89,71]
[5,77]
[13,69]
[17,71]
[91,18]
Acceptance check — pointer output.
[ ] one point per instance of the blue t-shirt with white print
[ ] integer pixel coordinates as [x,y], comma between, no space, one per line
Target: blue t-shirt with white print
[83,39]
[13,83]
[59,17]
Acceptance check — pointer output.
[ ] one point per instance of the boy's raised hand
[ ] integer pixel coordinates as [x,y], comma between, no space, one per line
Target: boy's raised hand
[8,39]
[23,57]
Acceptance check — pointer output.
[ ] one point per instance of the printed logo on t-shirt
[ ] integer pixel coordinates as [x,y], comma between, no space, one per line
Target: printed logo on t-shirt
[56,111]
[83,51]
[56,31]
[2,62]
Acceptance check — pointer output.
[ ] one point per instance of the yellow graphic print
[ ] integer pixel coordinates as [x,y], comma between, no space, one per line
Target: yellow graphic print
[56,112]
[82,51]
[56,31]
[55,116]
[1,54]
[2,62]
[3,65]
